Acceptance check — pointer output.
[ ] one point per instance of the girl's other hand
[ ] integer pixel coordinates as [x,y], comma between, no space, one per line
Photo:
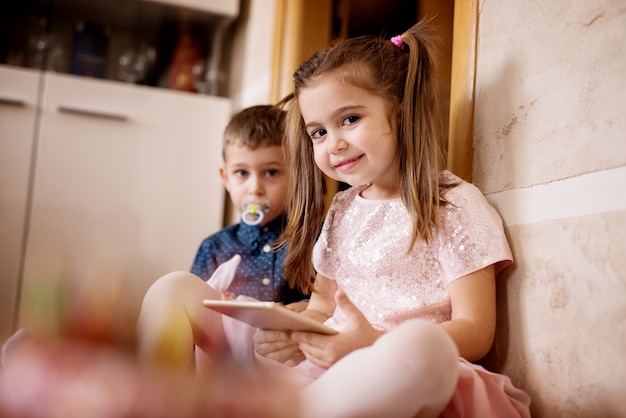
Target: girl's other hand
[325,350]
[297,306]
[277,346]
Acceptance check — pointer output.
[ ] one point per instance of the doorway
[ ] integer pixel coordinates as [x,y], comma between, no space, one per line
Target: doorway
[352,18]
[388,18]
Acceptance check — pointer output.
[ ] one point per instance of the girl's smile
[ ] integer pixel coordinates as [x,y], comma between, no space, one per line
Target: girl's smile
[348,163]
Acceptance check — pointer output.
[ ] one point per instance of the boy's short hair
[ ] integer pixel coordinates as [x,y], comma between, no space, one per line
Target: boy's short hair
[256,126]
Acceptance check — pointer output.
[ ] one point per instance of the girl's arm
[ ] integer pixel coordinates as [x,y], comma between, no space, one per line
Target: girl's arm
[473,323]
[322,303]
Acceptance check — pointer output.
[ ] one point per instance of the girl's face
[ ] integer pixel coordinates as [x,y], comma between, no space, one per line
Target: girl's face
[254,176]
[353,138]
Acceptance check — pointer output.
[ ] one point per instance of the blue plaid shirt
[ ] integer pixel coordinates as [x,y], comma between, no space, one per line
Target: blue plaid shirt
[260,273]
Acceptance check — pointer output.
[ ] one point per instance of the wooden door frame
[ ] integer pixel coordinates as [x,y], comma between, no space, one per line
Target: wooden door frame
[291,47]
[462,84]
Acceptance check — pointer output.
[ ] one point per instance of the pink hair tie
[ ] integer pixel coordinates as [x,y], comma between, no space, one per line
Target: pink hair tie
[397,41]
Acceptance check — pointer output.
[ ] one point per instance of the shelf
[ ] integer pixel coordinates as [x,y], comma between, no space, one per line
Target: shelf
[126,40]
[220,7]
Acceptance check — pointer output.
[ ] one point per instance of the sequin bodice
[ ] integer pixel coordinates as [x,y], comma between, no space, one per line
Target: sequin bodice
[364,243]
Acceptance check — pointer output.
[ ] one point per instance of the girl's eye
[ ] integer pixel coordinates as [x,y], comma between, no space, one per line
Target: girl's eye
[241,173]
[271,173]
[349,120]
[317,134]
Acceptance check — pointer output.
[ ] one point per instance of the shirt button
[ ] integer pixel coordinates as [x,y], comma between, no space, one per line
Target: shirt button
[265,281]
[267,248]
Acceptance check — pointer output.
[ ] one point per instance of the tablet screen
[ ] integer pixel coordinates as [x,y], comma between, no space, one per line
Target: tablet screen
[267,315]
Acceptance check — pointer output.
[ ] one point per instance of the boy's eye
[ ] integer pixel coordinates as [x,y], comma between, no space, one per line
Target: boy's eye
[317,134]
[349,120]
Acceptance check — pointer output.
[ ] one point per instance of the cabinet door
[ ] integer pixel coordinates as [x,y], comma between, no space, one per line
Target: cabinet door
[18,110]
[126,187]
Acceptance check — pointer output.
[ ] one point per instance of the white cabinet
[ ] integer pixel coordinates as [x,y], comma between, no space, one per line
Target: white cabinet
[104,186]
[18,111]
[125,186]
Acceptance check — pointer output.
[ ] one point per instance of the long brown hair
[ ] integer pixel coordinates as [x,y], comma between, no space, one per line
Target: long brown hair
[405,77]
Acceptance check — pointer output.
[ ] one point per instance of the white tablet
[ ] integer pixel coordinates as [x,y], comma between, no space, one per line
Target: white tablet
[267,315]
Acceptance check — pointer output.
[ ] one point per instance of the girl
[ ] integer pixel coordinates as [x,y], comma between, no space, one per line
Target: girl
[408,246]
[404,265]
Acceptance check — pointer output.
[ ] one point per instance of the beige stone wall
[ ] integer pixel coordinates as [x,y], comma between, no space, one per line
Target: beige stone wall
[550,90]
[550,154]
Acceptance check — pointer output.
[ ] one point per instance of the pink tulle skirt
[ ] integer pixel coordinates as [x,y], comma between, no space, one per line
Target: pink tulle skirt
[481,393]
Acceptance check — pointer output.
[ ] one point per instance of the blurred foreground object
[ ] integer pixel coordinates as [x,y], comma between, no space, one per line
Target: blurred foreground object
[75,356]
[43,377]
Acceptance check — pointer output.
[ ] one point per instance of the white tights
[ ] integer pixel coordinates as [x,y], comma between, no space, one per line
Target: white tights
[409,372]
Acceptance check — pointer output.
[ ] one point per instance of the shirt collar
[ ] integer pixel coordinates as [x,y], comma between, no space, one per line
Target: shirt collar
[258,235]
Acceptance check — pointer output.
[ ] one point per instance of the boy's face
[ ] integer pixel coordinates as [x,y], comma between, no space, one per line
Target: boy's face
[253,175]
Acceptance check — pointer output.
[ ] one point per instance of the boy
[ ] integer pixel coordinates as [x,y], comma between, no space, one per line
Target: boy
[238,261]
[255,176]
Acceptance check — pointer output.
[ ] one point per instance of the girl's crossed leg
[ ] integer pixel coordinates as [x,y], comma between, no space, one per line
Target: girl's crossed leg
[409,372]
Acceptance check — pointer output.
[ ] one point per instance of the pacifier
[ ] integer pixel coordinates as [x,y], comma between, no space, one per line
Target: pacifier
[254,211]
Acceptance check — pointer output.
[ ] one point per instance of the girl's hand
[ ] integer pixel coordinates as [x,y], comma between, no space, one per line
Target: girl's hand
[326,350]
[277,346]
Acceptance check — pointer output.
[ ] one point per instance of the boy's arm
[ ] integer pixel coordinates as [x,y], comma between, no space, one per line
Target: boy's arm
[204,265]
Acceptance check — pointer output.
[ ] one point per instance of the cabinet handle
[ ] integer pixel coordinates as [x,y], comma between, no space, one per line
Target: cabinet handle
[12,102]
[93,113]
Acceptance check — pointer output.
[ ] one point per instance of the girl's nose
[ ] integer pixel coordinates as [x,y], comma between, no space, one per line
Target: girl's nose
[336,144]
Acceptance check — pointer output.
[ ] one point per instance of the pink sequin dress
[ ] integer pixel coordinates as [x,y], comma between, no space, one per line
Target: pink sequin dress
[363,246]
